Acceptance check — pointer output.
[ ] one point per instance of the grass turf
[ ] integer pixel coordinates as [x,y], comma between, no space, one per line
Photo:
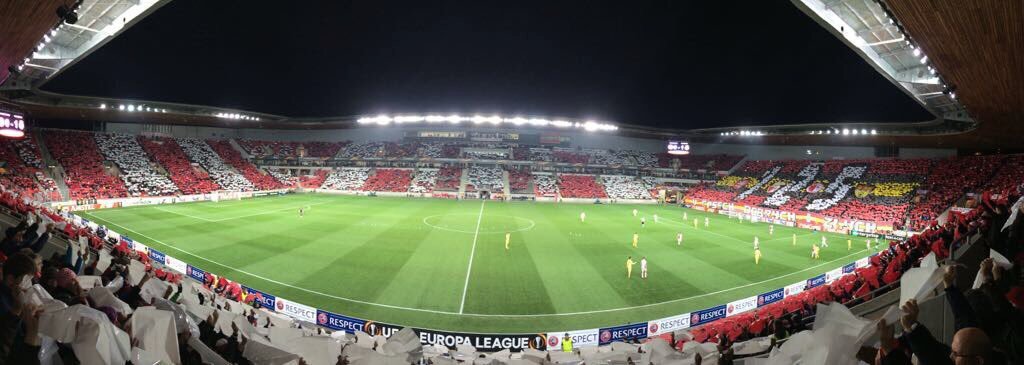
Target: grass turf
[405,261]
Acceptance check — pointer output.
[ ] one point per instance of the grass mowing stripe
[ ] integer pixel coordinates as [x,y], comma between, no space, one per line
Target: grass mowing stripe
[375,258]
[472,252]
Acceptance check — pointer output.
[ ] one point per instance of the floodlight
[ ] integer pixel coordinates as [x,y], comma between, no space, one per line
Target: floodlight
[874,132]
[103,106]
[917,51]
[131,108]
[924,59]
[846,131]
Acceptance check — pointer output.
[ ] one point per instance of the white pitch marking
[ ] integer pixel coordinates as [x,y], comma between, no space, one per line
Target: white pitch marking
[472,253]
[471,314]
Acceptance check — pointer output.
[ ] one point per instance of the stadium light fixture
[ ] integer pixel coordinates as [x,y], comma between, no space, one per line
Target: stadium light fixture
[917,51]
[131,108]
[846,131]
[864,131]
[120,107]
[454,119]
[434,119]
[855,132]
[103,105]
[924,59]
[952,95]
[874,132]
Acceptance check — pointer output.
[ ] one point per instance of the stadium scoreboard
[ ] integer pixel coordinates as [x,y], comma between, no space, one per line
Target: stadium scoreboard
[12,124]
[678,148]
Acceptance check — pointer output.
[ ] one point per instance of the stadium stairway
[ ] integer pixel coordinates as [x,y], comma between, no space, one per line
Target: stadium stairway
[54,170]
[234,144]
[463,181]
[506,187]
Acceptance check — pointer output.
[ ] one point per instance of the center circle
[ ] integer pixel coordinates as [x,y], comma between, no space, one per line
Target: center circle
[469,226]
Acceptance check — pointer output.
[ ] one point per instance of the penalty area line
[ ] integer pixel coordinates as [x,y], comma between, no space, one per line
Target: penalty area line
[472,253]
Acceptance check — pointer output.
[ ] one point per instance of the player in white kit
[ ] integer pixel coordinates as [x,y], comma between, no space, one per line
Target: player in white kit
[757,243]
[655,218]
[771,230]
[824,241]
[583,217]
[707,222]
[634,212]
[643,267]
[679,239]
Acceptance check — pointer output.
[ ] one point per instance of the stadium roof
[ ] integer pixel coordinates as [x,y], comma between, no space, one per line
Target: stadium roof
[906,44]
[50,45]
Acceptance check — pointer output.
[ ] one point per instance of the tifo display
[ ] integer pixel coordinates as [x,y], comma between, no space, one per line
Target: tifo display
[374,237]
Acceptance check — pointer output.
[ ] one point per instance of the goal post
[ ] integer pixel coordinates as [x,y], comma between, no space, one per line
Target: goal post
[219,195]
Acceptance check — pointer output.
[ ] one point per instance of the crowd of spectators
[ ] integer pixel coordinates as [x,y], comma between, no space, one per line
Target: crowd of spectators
[140,178]
[388,180]
[323,149]
[313,181]
[448,179]
[201,153]
[485,178]
[545,185]
[698,162]
[284,176]
[424,181]
[275,149]
[258,178]
[349,179]
[580,186]
[625,187]
[948,181]
[189,179]
[565,155]
[84,173]
[519,181]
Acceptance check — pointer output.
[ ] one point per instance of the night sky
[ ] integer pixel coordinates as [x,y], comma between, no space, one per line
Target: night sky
[680,64]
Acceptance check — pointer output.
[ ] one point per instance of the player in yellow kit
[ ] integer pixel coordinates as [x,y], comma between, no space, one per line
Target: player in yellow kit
[695,223]
[629,266]
[849,244]
[814,251]
[508,239]
[757,256]
[636,239]
[794,239]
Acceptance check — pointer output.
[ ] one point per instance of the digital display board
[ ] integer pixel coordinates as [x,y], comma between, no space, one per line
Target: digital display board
[678,148]
[12,125]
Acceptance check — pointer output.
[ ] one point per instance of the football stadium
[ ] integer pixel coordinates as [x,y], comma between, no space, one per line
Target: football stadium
[802,182]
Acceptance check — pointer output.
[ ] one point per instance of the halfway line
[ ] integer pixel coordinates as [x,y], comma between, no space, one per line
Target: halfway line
[472,252]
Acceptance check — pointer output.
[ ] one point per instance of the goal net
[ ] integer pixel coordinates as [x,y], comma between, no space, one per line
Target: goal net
[219,195]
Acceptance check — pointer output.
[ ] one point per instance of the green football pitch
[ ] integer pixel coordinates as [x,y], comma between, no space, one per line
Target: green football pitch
[442,264]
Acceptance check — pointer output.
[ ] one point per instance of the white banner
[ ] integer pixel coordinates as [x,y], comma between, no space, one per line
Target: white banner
[864,262]
[141,247]
[741,306]
[584,338]
[666,325]
[176,264]
[833,275]
[795,289]
[295,310]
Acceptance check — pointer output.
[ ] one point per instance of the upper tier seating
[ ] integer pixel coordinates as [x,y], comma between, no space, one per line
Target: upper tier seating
[140,178]
[200,152]
[85,175]
[277,149]
[424,181]
[569,156]
[323,149]
[346,179]
[625,187]
[448,179]
[486,178]
[580,186]
[259,180]
[189,179]
[545,185]
[389,180]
